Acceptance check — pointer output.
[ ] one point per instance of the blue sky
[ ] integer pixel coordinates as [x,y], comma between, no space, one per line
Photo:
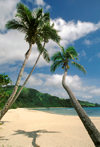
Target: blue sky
[78,23]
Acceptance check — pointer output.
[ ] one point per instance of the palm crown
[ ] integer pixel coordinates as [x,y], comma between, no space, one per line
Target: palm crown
[35,25]
[63,59]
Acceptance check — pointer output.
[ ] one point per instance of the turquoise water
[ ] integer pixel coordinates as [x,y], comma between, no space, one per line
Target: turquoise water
[91,111]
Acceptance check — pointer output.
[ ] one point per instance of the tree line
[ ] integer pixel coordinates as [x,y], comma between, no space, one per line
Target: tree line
[32,98]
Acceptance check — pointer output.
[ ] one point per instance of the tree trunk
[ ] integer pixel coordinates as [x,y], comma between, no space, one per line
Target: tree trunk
[90,127]
[26,80]
[9,102]
[27,77]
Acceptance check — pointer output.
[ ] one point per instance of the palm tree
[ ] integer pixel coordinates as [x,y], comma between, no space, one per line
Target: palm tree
[63,59]
[46,57]
[37,29]
[48,33]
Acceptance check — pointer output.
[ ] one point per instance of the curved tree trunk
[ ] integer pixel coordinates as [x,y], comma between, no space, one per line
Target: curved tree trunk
[27,77]
[90,127]
[9,102]
[26,80]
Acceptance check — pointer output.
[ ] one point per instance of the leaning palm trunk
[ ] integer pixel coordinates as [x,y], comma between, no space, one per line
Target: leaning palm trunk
[26,80]
[9,102]
[90,127]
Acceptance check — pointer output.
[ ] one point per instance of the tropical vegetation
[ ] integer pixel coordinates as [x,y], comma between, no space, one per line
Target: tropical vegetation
[31,98]
[63,58]
[4,81]
[37,28]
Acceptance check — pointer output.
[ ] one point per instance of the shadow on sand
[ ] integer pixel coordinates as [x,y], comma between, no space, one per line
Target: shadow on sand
[33,134]
[2,138]
[2,122]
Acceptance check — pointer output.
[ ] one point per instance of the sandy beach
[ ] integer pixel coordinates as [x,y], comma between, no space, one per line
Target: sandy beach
[31,128]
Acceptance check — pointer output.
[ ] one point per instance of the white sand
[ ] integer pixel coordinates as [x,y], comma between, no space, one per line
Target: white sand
[31,128]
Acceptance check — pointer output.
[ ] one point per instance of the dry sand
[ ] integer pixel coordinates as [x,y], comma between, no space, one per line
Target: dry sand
[32,128]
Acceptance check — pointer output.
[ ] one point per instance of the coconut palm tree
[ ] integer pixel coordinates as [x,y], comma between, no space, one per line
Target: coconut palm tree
[48,33]
[37,29]
[63,59]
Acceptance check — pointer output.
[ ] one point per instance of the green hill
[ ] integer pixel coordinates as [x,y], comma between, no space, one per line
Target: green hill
[32,98]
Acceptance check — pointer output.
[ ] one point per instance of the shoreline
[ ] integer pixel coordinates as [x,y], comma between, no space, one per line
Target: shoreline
[60,107]
[28,128]
[74,113]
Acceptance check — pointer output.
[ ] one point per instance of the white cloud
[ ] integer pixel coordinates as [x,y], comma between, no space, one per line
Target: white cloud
[95,91]
[13,48]
[39,2]
[71,31]
[48,84]
[74,82]
[13,45]
[7,11]
[52,84]
[68,32]
[87,96]
[53,80]
[56,80]
[42,3]
[33,81]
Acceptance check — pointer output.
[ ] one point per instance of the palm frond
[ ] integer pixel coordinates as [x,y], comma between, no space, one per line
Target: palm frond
[23,13]
[55,65]
[46,55]
[50,33]
[57,56]
[69,56]
[44,20]
[39,13]
[39,46]
[43,51]
[46,17]
[64,57]
[63,51]
[36,26]
[80,67]
[13,24]
[71,51]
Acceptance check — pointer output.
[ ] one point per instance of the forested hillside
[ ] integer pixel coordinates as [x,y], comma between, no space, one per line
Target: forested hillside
[33,98]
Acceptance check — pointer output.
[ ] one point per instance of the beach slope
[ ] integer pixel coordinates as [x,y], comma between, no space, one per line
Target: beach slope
[31,128]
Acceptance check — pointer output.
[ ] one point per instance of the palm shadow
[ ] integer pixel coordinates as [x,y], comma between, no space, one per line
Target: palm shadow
[2,122]
[2,138]
[34,135]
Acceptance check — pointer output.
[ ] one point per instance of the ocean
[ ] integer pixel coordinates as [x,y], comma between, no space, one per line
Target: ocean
[91,111]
